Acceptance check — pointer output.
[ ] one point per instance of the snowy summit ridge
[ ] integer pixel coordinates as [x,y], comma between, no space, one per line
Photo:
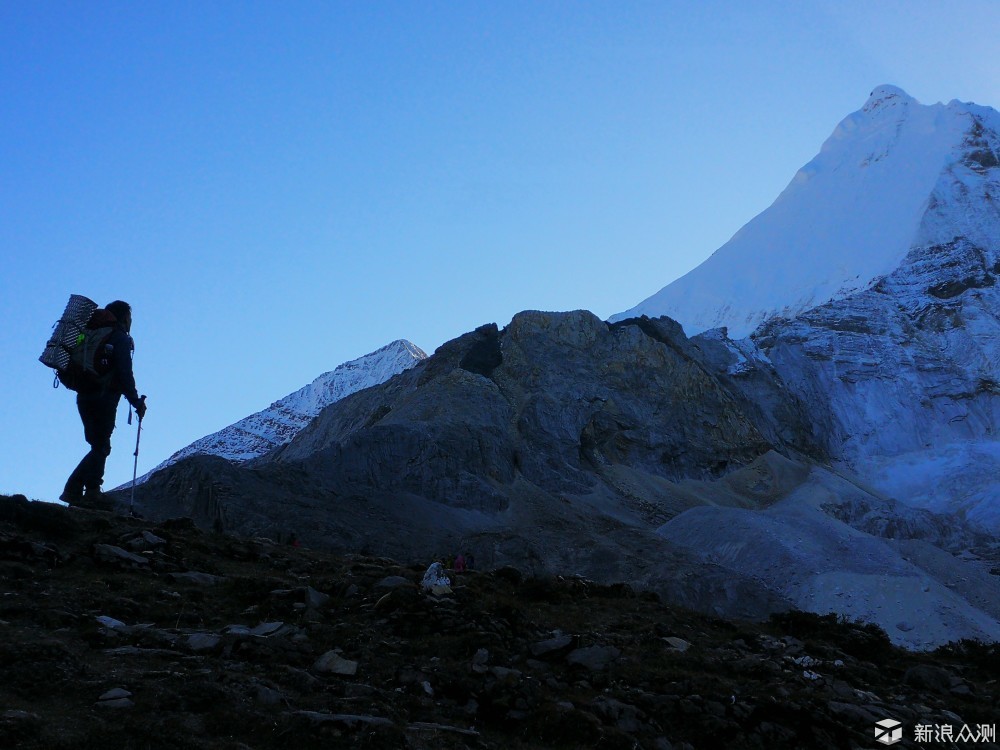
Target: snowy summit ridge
[847,219]
[255,435]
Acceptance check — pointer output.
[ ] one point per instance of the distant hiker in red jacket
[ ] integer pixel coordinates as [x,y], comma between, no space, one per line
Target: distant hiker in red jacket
[97,403]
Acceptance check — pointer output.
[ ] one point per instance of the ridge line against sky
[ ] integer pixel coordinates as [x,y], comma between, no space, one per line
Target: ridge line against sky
[278,189]
[848,217]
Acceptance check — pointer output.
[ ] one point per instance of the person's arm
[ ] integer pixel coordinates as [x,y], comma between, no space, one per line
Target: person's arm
[123,371]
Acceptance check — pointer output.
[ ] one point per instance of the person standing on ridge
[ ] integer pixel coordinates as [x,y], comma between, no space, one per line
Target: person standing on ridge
[97,402]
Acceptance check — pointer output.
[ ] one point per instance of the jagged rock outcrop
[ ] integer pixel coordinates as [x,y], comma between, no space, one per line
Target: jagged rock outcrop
[567,396]
[557,444]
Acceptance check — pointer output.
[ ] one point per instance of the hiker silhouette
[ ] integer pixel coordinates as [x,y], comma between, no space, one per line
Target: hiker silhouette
[97,402]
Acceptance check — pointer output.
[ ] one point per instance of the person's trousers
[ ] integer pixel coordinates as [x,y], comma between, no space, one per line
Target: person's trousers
[97,412]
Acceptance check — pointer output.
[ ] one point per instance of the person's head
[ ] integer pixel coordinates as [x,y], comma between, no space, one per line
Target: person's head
[122,311]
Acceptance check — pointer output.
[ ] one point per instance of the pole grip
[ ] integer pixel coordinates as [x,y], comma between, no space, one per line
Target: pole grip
[138,429]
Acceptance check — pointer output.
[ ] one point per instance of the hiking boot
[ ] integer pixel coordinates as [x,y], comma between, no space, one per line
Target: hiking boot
[71,497]
[94,500]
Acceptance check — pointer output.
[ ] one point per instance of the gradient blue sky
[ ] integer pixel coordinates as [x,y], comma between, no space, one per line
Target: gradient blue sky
[279,187]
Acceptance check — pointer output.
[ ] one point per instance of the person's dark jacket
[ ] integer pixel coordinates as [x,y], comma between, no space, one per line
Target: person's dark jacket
[116,360]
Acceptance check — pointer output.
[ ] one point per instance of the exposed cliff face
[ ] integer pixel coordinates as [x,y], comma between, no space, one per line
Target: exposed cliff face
[552,400]
[558,444]
[902,379]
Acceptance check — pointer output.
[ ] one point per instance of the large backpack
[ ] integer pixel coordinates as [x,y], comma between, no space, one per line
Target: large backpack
[76,349]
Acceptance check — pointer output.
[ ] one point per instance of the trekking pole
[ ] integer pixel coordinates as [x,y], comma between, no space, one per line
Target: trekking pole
[135,465]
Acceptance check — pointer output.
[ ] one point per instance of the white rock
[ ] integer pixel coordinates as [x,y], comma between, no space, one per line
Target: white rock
[436,580]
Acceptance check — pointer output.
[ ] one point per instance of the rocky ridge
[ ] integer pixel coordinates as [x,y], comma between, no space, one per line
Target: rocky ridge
[255,435]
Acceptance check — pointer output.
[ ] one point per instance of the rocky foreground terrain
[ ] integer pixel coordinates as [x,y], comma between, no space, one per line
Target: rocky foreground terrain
[123,633]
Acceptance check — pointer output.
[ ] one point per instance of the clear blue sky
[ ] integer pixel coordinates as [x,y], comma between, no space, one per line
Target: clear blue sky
[280,187]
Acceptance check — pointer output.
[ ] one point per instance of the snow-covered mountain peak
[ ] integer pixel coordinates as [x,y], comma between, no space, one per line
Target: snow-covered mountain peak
[352,376]
[887,97]
[259,433]
[848,218]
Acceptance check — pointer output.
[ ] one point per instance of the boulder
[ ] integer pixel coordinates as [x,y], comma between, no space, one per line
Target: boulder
[333,663]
